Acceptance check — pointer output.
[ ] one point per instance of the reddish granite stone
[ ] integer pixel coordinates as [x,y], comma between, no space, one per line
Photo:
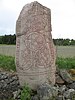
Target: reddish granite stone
[35,51]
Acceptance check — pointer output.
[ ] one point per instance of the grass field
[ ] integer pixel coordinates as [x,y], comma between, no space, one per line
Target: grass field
[8,50]
[65,51]
[65,63]
[62,51]
[7,62]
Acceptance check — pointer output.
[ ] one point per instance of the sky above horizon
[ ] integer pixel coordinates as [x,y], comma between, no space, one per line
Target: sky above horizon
[62,16]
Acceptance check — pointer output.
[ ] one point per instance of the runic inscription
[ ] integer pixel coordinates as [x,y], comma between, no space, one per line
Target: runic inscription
[35,52]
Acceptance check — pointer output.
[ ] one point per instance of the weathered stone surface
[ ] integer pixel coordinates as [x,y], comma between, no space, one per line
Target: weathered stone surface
[62,89]
[65,76]
[72,71]
[47,92]
[8,84]
[69,94]
[10,88]
[35,97]
[59,80]
[71,86]
[35,52]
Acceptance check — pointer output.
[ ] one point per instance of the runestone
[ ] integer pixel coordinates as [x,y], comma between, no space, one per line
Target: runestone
[35,51]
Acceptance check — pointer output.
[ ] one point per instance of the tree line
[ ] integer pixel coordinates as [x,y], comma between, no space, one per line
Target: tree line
[8,39]
[11,39]
[64,42]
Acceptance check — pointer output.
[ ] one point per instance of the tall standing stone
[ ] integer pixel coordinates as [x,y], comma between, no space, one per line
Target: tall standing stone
[35,52]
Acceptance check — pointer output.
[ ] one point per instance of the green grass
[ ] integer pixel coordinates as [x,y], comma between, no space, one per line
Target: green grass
[26,93]
[7,63]
[65,63]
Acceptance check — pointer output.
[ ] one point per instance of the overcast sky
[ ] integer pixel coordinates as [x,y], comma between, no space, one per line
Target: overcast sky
[62,13]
